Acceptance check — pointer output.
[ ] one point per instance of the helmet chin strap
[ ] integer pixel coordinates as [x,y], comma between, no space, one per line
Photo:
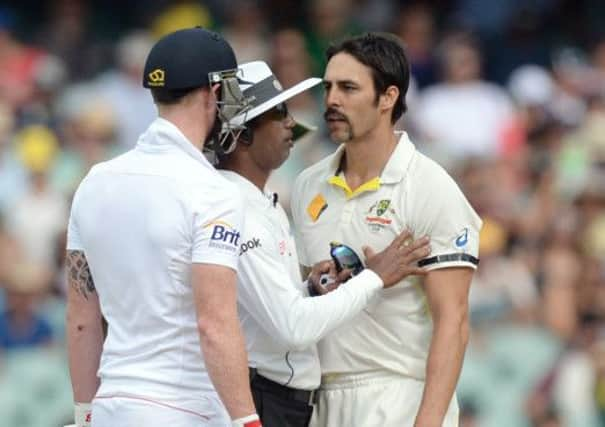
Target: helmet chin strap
[224,135]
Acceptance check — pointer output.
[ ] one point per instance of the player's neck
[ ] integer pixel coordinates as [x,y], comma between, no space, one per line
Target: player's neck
[366,157]
[255,176]
[188,123]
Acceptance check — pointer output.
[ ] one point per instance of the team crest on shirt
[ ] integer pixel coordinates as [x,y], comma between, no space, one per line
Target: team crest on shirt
[378,216]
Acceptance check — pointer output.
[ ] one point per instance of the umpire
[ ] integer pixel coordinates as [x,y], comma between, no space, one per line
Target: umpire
[280,321]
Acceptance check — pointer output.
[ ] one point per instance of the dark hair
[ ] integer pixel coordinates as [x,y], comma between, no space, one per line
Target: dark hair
[170,96]
[383,53]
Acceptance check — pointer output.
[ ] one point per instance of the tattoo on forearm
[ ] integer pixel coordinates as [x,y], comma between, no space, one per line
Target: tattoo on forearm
[78,273]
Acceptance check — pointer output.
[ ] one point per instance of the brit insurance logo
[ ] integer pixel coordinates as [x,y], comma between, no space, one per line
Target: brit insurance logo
[224,236]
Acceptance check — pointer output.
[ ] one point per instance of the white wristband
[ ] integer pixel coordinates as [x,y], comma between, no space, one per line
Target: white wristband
[83,414]
[249,421]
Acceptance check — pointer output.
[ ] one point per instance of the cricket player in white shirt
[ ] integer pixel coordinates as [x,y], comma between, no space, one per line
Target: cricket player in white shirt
[153,245]
[281,323]
[396,363]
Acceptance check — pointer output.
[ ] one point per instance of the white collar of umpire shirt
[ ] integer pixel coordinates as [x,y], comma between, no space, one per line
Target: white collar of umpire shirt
[163,132]
[250,191]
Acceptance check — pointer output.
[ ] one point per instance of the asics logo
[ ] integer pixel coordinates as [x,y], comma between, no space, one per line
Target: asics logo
[462,240]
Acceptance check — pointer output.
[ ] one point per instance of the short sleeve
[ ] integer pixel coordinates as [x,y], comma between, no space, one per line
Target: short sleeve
[440,210]
[217,227]
[74,241]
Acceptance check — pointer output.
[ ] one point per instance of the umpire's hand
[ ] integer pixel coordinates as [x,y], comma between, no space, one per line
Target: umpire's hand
[325,271]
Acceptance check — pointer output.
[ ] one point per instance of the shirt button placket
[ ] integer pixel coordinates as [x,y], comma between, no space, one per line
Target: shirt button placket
[347,212]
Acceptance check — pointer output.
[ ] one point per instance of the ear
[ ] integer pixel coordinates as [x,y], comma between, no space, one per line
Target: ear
[389,97]
[211,94]
[247,136]
[206,96]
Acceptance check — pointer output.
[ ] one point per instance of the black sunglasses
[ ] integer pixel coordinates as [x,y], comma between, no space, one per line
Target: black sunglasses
[345,258]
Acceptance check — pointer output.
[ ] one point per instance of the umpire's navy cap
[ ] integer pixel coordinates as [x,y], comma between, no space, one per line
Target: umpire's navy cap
[183,59]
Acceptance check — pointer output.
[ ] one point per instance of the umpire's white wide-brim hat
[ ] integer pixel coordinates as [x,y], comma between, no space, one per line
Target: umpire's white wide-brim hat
[258,83]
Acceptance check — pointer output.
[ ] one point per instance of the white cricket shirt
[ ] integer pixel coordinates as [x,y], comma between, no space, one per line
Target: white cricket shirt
[393,333]
[281,323]
[142,219]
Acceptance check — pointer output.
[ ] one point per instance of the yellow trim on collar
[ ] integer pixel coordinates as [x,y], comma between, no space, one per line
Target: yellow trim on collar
[371,185]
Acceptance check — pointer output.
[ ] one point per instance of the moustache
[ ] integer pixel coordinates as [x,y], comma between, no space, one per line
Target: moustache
[333,114]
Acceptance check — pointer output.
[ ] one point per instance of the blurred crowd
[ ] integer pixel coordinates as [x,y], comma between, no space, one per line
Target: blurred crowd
[509,96]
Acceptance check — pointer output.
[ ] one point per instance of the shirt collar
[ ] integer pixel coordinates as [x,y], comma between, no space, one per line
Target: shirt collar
[393,172]
[163,132]
[249,190]
[399,162]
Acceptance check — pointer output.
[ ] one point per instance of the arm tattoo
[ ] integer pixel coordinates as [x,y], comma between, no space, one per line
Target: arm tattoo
[78,273]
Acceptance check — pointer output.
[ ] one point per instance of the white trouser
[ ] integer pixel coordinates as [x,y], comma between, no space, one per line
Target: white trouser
[372,400]
[126,410]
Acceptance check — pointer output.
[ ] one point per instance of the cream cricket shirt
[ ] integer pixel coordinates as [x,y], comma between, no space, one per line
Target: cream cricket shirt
[281,323]
[393,333]
[142,219]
